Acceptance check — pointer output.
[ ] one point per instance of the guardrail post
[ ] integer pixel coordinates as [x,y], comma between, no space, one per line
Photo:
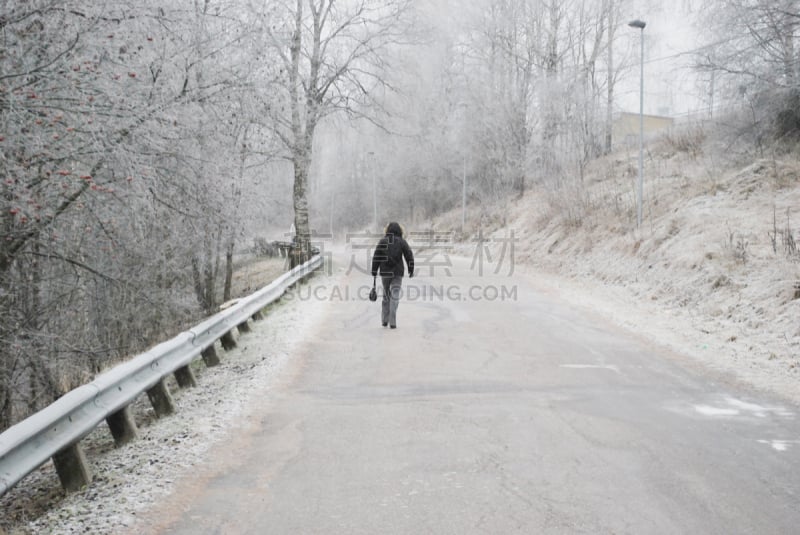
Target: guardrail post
[227,341]
[258,316]
[72,468]
[122,426]
[243,327]
[185,377]
[161,399]
[210,356]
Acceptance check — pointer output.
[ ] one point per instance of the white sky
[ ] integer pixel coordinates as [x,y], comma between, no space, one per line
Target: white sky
[671,86]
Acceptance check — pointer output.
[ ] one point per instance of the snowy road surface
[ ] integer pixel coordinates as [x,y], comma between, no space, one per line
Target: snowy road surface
[481,415]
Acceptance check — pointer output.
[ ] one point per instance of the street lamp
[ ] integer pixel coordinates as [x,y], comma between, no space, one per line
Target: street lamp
[464,193]
[463,105]
[640,24]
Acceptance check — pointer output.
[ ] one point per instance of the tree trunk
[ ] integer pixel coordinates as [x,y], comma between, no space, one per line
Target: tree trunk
[209,286]
[203,275]
[198,281]
[610,95]
[301,149]
[301,251]
[5,404]
[790,59]
[226,294]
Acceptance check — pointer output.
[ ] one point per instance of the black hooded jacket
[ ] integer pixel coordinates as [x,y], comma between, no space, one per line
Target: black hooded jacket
[389,254]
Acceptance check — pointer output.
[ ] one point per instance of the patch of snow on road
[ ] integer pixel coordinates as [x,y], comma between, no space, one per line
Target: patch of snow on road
[779,445]
[591,367]
[707,410]
[736,407]
[758,410]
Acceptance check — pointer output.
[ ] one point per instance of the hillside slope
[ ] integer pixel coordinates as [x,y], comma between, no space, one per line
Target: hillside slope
[713,273]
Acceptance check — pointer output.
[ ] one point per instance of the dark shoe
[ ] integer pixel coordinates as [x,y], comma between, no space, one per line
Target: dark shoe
[384,324]
[393,326]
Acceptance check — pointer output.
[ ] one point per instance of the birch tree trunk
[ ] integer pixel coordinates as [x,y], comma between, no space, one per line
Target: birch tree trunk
[610,80]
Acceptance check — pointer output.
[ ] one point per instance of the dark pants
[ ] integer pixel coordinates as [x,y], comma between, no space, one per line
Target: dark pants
[391,298]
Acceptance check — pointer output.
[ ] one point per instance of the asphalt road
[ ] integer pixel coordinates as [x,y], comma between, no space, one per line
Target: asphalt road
[481,415]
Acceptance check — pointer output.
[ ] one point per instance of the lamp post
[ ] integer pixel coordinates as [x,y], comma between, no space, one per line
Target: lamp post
[640,24]
[464,194]
[463,106]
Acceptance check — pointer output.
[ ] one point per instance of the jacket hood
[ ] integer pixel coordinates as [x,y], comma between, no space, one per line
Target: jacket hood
[394,229]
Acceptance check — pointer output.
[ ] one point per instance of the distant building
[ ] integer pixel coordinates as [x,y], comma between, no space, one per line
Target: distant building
[626,127]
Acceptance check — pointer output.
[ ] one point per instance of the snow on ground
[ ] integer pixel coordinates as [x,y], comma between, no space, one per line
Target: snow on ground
[701,277]
[130,479]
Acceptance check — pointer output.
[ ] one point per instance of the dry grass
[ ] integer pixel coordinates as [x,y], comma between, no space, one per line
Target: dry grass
[254,273]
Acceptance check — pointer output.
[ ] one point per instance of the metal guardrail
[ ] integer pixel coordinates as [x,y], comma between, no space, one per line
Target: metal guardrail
[55,431]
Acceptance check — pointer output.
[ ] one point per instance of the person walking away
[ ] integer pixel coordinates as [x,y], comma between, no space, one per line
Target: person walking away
[388,260]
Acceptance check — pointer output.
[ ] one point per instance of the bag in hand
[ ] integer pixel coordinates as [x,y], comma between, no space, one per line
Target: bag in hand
[373,294]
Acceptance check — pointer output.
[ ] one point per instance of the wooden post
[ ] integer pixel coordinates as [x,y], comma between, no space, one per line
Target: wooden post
[72,468]
[227,340]
[161,399]
[122,426]
[243,327]
[210,356]
[185,377]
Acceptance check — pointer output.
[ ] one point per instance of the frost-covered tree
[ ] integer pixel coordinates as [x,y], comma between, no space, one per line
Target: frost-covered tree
[333,57]
[510,94]
[124,141]
[754,58]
